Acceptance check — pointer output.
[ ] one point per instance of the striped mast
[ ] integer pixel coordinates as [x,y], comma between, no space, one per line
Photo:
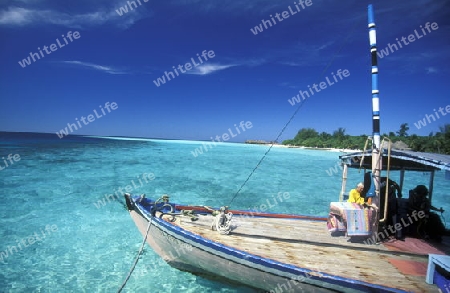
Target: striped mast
[376,157]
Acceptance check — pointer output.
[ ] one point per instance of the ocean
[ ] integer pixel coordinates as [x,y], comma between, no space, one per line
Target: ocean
[63,229]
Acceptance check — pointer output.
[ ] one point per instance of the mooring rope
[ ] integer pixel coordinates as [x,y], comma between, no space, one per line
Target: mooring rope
[294,114]
[137,257]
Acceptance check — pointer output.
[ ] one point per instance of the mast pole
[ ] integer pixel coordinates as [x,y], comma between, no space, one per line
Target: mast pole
[376,148]
[375,91]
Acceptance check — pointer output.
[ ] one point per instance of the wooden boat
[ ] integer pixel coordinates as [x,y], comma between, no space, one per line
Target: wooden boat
[296,253]
[280,252]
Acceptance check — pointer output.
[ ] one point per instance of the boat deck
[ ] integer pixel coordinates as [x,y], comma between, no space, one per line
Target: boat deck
[308,244]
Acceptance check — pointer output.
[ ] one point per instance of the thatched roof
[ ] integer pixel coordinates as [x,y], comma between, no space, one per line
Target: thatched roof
[398,145]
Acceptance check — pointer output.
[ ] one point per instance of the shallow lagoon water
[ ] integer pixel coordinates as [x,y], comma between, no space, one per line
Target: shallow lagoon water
[90,243]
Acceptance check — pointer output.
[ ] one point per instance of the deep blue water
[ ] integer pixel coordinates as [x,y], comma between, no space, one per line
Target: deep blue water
[59,233]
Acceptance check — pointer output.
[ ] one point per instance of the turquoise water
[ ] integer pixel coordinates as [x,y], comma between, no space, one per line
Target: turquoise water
[59,233]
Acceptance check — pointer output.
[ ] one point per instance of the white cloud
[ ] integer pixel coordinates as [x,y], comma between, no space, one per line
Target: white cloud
[19,16]
[431,70]
[16,16]
[209,68]
[106,69]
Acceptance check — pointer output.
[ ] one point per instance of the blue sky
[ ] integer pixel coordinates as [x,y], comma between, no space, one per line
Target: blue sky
[116,58]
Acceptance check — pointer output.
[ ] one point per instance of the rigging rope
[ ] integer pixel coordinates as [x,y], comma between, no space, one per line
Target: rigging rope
[137,257]
[294,114]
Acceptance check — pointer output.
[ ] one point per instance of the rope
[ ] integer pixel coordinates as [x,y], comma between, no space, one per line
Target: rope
[294,114]
[137,257]
[222,223]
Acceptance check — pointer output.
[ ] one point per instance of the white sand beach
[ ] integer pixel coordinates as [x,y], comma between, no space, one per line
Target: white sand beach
[313,148]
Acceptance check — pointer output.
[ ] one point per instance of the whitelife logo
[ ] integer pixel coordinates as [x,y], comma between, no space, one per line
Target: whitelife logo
[422,123]
[124,9]
[188,66]
[284,15]
[10,158]
[36,56]
[225,137]
[411,38]
[90,118]
[323,85]
[27,241]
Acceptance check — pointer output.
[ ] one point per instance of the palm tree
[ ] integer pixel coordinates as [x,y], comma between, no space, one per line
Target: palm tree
[403,129]
[339,133]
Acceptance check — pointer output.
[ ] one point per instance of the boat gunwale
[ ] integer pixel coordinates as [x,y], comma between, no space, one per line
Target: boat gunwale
[255,214]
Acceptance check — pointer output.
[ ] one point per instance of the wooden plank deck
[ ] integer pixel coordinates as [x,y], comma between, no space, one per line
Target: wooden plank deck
[308,244]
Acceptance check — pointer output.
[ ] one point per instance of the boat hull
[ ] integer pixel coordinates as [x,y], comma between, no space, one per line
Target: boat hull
[193,253]
[181,254]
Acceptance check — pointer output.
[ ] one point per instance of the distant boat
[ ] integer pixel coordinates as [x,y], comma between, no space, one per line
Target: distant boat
[352,250]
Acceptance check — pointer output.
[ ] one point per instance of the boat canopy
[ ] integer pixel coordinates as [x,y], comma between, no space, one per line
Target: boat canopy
[400,160]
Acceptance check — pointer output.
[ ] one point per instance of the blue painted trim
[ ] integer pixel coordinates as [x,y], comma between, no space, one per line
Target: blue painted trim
[371,18]
[374,81]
